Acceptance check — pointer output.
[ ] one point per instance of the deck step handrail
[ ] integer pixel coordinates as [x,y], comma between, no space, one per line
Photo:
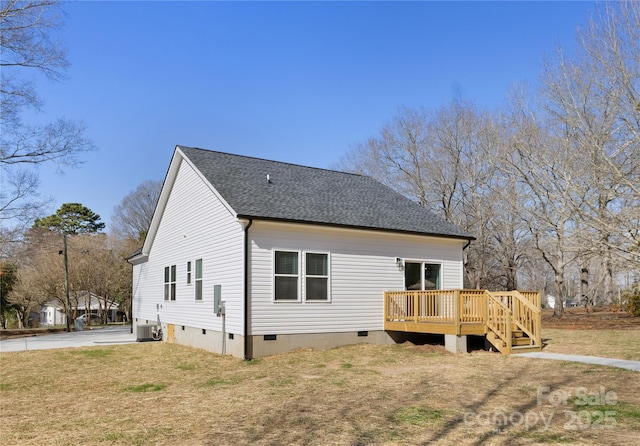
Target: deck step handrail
[499,323]
[529,318]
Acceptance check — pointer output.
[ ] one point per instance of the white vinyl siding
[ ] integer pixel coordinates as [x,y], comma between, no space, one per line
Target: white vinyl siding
[195,224]
[362,265]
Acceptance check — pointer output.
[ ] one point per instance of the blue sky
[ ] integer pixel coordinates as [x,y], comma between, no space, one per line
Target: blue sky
[299,82]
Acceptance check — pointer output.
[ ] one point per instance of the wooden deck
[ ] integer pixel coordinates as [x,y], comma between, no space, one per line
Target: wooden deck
[511,320]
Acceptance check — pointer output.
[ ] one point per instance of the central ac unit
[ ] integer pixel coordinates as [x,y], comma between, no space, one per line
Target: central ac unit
[144,333]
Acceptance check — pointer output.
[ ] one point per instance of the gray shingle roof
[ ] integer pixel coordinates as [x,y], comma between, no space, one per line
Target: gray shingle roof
[311,195]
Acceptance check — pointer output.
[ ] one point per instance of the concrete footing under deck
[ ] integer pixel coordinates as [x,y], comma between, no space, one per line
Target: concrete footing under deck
[455,343]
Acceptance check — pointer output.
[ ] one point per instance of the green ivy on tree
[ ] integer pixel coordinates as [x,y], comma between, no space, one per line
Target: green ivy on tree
[71,219]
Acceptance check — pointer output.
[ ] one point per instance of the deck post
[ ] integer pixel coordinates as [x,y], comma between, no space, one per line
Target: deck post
[386,306]
[456,311]
[455,343]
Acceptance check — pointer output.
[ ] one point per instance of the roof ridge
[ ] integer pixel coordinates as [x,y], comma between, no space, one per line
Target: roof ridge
[274,161]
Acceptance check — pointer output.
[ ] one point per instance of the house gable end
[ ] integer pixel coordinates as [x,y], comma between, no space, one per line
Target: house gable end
[169,181]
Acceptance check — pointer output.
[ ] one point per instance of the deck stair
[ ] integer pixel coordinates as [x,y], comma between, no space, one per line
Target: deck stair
[514,321]
[520,342]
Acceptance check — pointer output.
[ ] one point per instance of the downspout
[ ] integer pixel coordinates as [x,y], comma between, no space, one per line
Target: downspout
[247,356]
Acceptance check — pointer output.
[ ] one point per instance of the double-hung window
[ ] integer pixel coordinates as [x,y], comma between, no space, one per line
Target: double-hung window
[188,273]
[170,282]
[199,279]
[316,270]
[286,275]
[299,276]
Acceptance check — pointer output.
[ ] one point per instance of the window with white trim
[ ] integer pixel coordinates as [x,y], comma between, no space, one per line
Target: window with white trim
[170,282]
[189,273]
[286,276]
[316,268]
[199,279]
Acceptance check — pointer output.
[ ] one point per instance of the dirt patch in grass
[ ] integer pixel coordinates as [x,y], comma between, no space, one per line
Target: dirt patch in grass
[159,393]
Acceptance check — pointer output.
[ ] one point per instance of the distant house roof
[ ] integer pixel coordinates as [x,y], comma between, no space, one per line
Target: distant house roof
[95,302]
[271,190]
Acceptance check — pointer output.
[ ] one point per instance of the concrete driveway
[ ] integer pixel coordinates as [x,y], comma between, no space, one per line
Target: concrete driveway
[87,338]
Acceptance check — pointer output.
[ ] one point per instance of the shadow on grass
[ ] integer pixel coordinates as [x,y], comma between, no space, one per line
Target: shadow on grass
[499,428]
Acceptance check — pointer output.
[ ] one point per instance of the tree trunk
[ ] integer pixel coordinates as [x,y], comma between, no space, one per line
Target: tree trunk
[558,308]
[584,287]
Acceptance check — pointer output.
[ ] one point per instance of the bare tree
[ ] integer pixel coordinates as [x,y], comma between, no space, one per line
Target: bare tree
[605,114]
[551,185]
[443,160]
[97,266]
[25,298]
[541,157]
[593,97]
[27,48]
[132,217]
[39,272]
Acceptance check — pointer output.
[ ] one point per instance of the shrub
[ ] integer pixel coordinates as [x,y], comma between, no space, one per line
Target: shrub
[631,298]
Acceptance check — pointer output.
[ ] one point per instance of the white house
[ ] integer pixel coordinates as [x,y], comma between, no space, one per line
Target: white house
[301,257]
[53,312]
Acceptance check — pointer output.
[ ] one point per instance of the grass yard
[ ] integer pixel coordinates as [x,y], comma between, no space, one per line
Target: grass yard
[159,393]
[593,332]
[619,344]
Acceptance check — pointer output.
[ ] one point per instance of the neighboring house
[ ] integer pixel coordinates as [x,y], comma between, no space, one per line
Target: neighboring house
[53,313]
[568,302]
[301,256]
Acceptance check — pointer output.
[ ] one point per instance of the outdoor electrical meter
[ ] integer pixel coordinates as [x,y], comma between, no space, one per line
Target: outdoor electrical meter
[218,303]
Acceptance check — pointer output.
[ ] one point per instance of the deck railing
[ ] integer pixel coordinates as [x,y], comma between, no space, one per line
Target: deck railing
[421,306]
[466,312]
[473,306]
